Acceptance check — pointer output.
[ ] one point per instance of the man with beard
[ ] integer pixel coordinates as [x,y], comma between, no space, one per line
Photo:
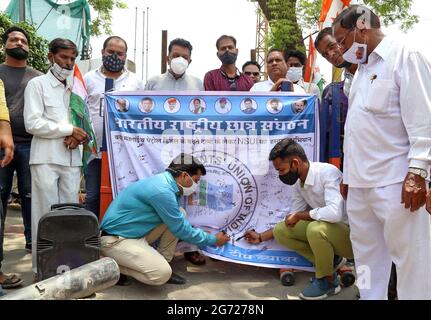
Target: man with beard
[15,74]
[228,77]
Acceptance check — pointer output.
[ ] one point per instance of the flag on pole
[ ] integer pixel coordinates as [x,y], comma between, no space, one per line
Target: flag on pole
[330,10]
[311,61]
[80,116]
[318,79]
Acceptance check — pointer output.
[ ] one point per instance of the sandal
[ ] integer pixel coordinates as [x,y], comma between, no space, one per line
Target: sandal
[10,281]
[195,257]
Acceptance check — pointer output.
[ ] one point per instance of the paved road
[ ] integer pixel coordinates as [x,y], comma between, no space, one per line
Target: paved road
[215,280]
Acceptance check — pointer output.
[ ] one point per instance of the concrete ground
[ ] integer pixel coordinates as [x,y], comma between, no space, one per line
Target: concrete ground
[216,280]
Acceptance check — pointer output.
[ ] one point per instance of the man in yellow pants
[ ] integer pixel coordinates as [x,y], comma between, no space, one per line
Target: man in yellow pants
[317,227]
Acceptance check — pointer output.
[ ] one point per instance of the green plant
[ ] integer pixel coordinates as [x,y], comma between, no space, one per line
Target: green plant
[38,45]
[288,18]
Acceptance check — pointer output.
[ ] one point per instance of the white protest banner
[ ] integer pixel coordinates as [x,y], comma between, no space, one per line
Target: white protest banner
[231,133]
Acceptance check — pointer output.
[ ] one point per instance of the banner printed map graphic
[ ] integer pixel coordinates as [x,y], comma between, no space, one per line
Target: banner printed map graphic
[232,135]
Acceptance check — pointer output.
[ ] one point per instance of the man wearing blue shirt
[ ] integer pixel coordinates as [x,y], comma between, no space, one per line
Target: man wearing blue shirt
[148,211]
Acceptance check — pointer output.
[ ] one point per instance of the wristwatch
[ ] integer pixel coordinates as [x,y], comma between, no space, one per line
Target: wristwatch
[420,172]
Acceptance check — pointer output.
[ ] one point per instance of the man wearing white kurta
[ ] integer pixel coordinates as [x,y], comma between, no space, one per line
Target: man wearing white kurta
[55,158]
[387,141]
[114,56]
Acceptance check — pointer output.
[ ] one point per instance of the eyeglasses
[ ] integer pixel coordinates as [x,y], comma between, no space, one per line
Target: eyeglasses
[255,74]
[331,47]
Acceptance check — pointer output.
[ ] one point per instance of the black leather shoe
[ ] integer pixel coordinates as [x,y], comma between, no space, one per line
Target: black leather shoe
[176,279]
[123,281]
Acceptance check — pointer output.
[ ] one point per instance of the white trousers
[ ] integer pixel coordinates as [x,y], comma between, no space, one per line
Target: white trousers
[382,231]
[50,184]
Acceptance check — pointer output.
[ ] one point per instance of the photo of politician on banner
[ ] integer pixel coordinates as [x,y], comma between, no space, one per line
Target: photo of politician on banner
[241,190]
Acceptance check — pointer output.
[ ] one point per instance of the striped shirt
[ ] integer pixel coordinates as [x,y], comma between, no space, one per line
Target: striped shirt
[218,80]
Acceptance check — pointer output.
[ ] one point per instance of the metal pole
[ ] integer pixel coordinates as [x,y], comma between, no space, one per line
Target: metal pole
[143,44]
[311,34]
[73,284]
[146,62]
[253,55]
[164,49]
[21,10]
[136,28]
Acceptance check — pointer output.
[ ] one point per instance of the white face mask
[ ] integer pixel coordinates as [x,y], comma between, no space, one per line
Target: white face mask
[60,73]
[294,74]
[188,191]
[179,65]
[357,54]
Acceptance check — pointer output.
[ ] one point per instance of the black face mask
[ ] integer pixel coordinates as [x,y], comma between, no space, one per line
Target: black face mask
[112,63]
[228,58]
[289,178]
[17,53]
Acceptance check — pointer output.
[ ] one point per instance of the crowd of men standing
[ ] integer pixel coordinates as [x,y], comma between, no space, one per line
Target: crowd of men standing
[44,145]
[387,140]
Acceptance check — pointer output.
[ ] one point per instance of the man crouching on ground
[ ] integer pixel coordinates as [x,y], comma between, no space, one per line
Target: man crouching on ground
[148,211]
[317,227]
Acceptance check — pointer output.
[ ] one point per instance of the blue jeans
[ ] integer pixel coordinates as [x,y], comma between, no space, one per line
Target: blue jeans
[20,164]
[92,176]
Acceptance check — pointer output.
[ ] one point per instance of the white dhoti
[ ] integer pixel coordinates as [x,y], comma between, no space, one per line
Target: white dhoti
[382,231]
[50,184]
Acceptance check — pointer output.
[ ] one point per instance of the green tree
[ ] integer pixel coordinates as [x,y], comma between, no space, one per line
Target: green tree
[38,45]
[288,18]
[102,23]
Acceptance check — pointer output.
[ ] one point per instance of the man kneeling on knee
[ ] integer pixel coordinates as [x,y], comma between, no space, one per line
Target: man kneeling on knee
[147,213]
[317,227]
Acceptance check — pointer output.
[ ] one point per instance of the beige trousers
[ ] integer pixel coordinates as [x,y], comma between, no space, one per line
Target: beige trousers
[138,259]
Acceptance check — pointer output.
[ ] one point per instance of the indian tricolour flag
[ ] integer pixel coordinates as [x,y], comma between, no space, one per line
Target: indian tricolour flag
[80,116]
[330,10]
